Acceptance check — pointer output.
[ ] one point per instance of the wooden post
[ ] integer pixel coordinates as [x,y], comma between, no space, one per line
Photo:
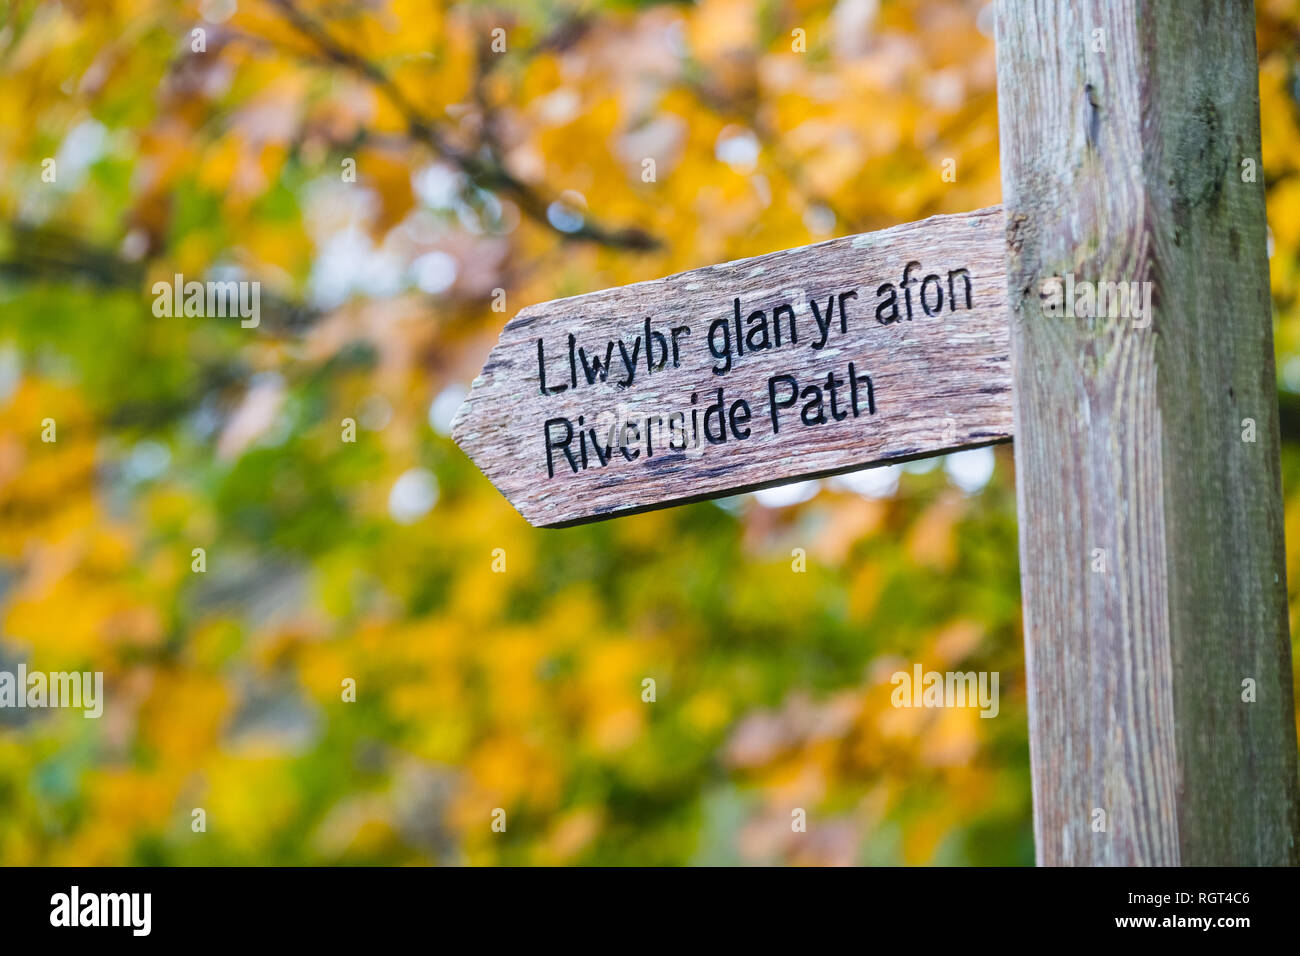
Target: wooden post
[1151,520]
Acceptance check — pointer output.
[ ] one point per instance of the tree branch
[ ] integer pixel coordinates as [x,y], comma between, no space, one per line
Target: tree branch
[39,254]
[486,172]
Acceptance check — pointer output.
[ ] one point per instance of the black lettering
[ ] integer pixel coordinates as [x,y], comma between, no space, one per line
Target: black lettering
[739,415]
[892,302]
[630,362]
[656,421]
[844,315]
[677,430]
[601,455]
[541,372]
[594,369]
[722,422]
[832,386]
[938,288]
[635,431]
[814,403]
[907,284]
[952,294]
[650,338]
[725,351]
[562,445]
[773,404]
[823,325]
[854,380]
[676,331]
[776,321]
[764,341]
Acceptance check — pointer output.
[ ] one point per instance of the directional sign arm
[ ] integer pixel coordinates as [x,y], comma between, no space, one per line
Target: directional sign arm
[863,350]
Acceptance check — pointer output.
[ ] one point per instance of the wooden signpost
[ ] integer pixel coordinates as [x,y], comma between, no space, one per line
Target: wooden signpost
[1147,449]
[856,351]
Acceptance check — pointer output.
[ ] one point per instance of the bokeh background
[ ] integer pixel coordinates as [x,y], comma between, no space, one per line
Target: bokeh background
[485,181]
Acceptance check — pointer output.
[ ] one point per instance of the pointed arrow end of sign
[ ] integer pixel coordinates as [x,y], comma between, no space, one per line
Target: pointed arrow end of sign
[460,421]
[470,433]
[937,367]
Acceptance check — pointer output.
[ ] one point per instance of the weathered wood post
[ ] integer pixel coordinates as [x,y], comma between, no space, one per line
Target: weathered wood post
[1151,521]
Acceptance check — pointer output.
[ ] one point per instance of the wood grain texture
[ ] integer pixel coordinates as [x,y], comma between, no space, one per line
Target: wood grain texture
[937,381]
[1123,163]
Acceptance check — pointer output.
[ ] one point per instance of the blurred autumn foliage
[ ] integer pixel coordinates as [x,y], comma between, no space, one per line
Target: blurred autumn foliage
[485,180]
